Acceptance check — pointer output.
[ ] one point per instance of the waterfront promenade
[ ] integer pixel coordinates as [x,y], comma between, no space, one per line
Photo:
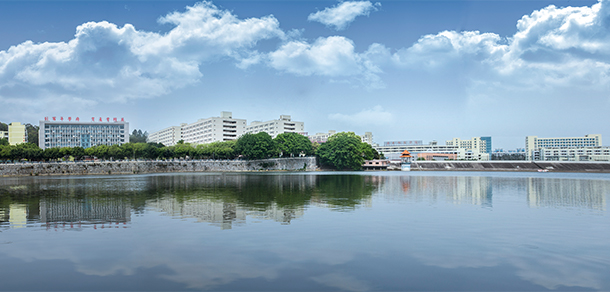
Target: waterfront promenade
[135,167]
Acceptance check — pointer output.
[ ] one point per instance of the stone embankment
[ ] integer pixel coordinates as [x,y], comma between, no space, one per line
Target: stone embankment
[134,167]
[554,166]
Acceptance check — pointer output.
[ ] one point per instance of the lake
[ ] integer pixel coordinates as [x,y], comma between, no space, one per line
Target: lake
[320,231]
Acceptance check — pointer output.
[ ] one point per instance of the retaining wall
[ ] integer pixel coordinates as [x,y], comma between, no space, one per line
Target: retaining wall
[132,167]
[554,166]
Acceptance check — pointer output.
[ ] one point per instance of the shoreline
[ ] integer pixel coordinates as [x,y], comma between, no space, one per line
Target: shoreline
[143,167]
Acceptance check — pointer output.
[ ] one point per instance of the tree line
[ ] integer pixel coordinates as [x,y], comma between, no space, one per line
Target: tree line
[343,151]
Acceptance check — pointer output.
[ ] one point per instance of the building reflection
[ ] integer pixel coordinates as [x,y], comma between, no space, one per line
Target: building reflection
[222,214]
[458,190]
[88,211]
[589,194]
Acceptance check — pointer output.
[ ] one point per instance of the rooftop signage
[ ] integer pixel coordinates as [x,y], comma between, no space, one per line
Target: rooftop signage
[77,119]
[403,143]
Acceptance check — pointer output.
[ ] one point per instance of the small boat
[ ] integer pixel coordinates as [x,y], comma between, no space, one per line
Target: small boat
[543,170]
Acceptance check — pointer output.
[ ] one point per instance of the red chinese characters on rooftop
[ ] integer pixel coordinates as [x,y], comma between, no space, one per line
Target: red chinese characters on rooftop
[77,119]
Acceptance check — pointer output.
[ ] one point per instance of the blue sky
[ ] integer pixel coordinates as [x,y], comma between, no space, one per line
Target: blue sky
[404,70]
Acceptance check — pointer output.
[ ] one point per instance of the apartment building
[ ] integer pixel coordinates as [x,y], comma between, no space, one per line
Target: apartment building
[275,127]
[17,133]
[168,136]
[323,137]
[223,128]
[534,146]
[475,144]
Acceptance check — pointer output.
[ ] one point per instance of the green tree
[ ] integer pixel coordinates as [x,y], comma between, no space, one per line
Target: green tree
[342,151]
[138,137]
[3,127]
[255,146]
[78,153]
[5,152]
[116,152]
[3,141]
[292,144]
[32,132]
[65,152]
[368,152]
[51,153]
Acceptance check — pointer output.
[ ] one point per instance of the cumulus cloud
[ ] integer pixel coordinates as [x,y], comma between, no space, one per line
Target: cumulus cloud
[341,15]
[105,62]
[552,47]
[375,116]
[332,56]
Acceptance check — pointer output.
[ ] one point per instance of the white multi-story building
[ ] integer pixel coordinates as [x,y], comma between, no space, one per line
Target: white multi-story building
[168,136]
[323,137]
[17,134]
[74,133]
[223,128]
[534,144]
[275,127]
[476,144]
[599,153]
[393,150]
[4,134]
[367,138]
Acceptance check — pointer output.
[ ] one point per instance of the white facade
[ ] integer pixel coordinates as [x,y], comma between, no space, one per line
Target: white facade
[323,137]
[476,144]
[275,127]
[394,150]
[367,138]
[3,134]
[572,154]
[214,129]
[533,143]
[168,136]
[82,134]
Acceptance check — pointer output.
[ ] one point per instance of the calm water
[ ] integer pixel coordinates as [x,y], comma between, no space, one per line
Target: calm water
[306,231]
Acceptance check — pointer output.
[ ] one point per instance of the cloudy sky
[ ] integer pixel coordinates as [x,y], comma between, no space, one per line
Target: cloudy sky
[404,70]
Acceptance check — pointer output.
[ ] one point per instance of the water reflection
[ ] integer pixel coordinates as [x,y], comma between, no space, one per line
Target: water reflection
[353,232]
[455,189]
[589,194]
[223,200]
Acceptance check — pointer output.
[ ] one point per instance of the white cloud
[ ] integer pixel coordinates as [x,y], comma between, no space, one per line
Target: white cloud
[553,47]
[107,63]
[332,57]
[375,116]
[343,14]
